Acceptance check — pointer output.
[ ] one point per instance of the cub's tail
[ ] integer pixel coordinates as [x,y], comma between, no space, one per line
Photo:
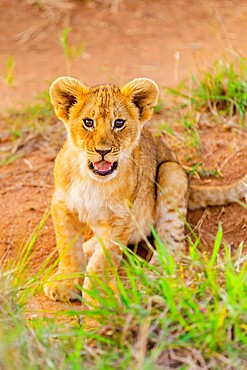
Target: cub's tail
[203,196]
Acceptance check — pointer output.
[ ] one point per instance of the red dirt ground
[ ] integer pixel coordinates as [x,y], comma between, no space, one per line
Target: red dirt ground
[162,40]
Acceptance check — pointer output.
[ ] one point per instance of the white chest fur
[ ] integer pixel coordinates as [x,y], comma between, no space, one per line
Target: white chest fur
[86,199]
[93,202]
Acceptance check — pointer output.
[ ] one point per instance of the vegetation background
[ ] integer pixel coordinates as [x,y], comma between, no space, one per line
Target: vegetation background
[186,316]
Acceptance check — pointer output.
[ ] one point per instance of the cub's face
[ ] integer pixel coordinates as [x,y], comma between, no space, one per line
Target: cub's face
[106,127]
[104,121]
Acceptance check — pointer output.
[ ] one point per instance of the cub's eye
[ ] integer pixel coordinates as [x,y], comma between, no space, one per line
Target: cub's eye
[88,122]
[119,123]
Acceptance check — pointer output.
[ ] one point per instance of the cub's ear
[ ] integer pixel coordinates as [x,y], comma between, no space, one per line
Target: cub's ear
[64,93]
[144,93]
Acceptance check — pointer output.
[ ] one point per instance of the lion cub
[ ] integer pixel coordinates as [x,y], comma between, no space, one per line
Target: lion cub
[115,180]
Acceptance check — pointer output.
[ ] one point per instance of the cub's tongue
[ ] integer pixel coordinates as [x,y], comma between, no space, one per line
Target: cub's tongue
[103,166]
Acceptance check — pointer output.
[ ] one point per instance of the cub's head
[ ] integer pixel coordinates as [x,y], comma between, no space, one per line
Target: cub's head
[104,121]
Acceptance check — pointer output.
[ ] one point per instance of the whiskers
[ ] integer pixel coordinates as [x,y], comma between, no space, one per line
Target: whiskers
[94,156]
[113,156]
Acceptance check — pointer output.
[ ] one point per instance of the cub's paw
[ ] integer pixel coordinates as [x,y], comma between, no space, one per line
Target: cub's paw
[59,288]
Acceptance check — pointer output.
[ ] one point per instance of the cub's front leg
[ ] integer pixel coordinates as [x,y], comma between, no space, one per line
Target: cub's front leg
[62,286]
[103,256]
[171,207]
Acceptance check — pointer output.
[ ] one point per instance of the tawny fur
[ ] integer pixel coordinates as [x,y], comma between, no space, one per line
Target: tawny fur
[148,187]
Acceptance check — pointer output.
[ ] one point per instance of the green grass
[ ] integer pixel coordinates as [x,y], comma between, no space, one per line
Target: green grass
[32,117]
[9,77]
[221,90]
[33,124]
[72,52]
[201,171]
[216,96]
[188,314]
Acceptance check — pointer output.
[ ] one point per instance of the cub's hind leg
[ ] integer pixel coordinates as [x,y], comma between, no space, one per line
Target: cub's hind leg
[171,207]
[62,286]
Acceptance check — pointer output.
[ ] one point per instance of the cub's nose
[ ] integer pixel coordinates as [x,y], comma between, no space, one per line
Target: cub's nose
[102,152]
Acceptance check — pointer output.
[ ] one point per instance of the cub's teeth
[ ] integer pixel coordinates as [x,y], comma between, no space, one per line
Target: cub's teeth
[103,166]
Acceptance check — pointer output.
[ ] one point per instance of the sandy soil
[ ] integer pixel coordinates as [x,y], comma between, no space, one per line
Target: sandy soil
[162,40]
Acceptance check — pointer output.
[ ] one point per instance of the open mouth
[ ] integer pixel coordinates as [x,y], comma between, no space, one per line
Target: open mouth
[102,168]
